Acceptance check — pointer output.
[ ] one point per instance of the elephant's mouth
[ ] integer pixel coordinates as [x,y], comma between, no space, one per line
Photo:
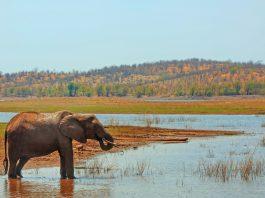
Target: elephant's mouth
[106,143]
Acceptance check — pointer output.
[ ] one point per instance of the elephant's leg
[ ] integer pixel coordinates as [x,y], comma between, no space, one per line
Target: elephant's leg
[67,153]
[13,158]
[20,165]
[12,168]
[62,166]
[69,164]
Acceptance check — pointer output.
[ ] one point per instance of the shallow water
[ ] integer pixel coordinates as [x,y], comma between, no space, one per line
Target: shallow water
[170,168]
[218,122]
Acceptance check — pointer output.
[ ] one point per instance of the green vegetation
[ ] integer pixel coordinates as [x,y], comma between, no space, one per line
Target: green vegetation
[192,77]
[2,129]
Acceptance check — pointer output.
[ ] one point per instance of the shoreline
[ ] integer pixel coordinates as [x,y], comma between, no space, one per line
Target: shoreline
[126,137]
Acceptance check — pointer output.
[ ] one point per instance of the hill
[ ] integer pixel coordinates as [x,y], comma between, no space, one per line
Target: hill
[191,77]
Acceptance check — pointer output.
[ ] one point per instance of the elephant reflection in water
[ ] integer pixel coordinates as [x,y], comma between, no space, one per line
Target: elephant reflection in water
[66,188]
[20,188]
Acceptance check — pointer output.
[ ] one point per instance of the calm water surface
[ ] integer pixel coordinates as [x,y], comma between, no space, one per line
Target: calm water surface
[170,169]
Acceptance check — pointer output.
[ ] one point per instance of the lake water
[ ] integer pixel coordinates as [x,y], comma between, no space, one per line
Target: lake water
[170,169]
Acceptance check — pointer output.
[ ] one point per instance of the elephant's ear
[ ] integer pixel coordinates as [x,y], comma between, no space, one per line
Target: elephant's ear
[71,127]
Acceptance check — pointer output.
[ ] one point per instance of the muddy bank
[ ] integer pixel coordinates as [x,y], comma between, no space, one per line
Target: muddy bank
[125,137]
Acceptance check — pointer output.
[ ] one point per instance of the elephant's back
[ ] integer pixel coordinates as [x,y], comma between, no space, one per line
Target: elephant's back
[22,120]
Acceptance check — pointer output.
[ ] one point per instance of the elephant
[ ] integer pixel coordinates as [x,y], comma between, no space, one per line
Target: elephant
[32,134]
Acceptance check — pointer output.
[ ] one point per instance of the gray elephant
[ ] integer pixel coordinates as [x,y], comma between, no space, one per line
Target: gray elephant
[32,134]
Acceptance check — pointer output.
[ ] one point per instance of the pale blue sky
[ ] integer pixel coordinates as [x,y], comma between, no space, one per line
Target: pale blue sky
[84,34]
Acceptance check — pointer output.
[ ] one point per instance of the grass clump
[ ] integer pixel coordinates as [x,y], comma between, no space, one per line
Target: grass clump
[101,167]
[141,167]
[97,167]
[152,120]
[262,141]
[149,121]
[210,154]
[138,169]
[113,122]
[247,169]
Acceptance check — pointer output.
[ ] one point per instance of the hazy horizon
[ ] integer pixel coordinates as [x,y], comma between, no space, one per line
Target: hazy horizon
[147,62]
[66,36]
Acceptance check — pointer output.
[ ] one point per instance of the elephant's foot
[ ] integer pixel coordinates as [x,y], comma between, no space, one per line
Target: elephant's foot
[19,175]
[72,177]
[63,177]
[12,176]
[18,172]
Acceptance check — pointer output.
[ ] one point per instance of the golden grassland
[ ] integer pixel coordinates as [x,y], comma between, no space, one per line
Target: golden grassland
[136,106]
[2,129]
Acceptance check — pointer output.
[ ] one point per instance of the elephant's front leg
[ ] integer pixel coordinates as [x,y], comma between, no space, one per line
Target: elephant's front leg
[62,166]
[67,154]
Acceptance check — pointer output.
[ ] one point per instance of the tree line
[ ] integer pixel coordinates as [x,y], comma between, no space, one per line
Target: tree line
[192,77]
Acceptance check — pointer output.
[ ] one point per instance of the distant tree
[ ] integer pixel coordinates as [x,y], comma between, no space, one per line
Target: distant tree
[139,91]
[179,92]
[72,89]
[193,91]
[208,92]
[108,90]
[233,69]
[237,88]
[250,88]
[89,93]
[101,90]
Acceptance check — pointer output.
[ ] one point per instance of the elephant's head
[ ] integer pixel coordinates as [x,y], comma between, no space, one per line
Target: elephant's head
[81,127]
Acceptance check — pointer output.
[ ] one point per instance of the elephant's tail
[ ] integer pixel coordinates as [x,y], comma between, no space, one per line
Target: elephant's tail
[5,162]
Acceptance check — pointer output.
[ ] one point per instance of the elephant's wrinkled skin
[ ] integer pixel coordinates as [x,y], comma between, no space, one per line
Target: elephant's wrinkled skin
[32,134]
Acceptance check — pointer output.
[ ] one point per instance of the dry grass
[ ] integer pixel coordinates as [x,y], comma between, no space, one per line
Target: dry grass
[2,129]
[182,119]
[141,167]
[248,169]
[262,141]
[99,167]
[113,122]
[210,154]
[131,105]
[149,120]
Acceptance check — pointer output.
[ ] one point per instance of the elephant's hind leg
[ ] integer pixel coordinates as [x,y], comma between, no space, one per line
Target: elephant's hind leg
[12,168]
[13,158]
[20,165]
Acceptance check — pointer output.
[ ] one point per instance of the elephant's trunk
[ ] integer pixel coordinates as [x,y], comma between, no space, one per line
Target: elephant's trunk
[108,139]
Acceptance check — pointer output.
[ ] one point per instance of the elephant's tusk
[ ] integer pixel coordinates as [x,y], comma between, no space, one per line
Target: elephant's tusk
[108,142]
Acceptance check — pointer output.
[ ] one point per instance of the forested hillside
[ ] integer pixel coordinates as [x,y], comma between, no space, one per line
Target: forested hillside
[192,77]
